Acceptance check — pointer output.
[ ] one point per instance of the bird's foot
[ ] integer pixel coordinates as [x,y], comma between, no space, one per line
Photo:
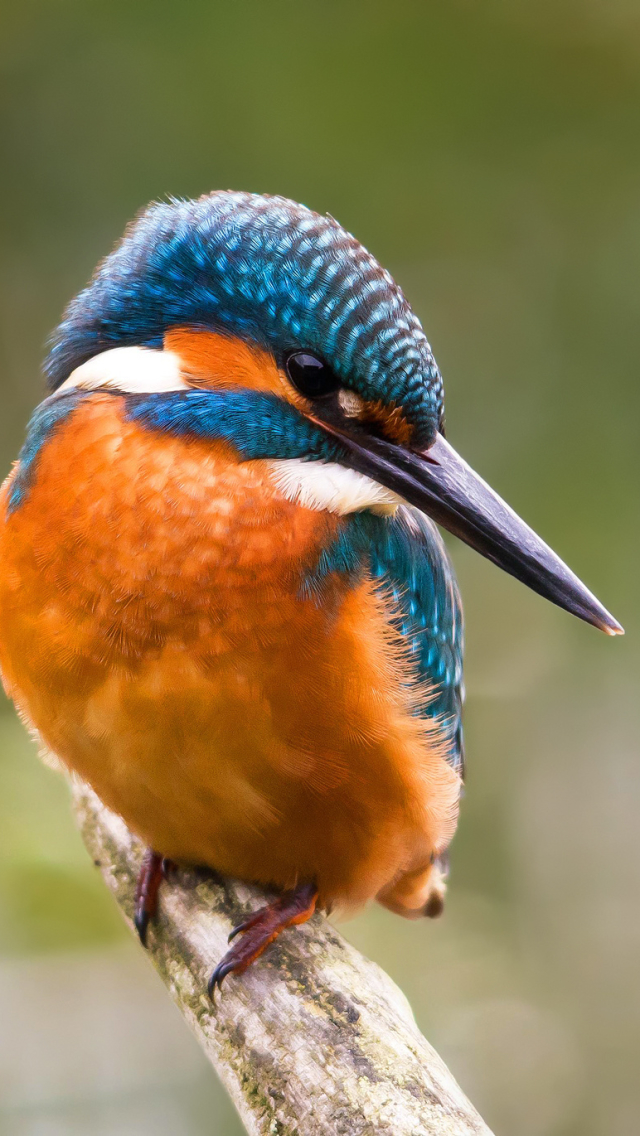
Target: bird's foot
[155,868]
[262,928]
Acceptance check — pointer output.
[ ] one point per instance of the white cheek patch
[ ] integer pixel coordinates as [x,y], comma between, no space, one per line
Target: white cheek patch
[330,486]
[132,370]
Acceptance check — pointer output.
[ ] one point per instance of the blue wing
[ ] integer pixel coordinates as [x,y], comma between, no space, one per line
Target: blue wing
[406,555]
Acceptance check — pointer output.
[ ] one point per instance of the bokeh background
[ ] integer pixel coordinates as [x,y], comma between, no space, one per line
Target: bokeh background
[489,154]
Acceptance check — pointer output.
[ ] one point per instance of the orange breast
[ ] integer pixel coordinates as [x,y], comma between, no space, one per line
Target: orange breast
[153,630]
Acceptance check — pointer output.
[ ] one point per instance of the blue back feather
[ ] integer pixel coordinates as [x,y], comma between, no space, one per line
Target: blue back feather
[44,422]
[407,558]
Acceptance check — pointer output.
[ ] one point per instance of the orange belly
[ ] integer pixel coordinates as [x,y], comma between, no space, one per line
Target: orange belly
[153,632]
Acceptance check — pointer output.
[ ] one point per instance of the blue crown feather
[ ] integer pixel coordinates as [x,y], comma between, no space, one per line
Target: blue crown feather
[270,271]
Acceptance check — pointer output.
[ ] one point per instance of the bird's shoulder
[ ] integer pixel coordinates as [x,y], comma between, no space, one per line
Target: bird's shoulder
[406,558]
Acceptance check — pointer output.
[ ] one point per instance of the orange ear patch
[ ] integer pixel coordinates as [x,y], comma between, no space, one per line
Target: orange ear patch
[390,419]
[212,360]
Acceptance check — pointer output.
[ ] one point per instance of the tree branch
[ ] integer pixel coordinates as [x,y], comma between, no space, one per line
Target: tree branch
[313,1039]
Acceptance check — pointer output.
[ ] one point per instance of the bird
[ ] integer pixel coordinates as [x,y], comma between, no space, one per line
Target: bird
[224,599]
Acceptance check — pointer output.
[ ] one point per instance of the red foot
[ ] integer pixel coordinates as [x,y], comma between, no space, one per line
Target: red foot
[262,928]
[155,868]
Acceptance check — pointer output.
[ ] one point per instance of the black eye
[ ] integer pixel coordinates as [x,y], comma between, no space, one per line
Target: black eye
[310,375]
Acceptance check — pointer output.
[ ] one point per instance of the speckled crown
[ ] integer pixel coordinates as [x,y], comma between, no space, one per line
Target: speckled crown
[268,270]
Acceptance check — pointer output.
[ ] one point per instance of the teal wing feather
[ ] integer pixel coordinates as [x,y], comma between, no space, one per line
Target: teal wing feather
[408,557]
[405,555]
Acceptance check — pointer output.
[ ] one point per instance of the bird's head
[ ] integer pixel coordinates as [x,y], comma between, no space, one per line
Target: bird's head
[311,351]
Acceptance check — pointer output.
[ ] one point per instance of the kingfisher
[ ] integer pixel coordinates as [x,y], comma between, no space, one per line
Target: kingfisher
[224,601]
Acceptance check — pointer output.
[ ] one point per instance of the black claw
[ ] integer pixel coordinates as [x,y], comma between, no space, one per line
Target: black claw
[169,869]
[238,930]
[217,978]
[141,924]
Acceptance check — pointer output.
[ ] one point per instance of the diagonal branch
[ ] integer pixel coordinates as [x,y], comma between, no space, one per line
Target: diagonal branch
[314,1039]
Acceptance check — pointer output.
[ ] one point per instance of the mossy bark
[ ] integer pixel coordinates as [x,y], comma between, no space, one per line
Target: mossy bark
[314,1038]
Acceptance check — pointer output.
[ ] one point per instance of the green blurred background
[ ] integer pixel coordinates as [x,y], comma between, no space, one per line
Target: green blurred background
[489,154]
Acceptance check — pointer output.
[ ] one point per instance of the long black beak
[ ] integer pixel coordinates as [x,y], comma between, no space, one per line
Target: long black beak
[439,483]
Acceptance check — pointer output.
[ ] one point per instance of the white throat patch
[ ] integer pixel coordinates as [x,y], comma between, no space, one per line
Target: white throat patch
[330,486]
[132,370]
